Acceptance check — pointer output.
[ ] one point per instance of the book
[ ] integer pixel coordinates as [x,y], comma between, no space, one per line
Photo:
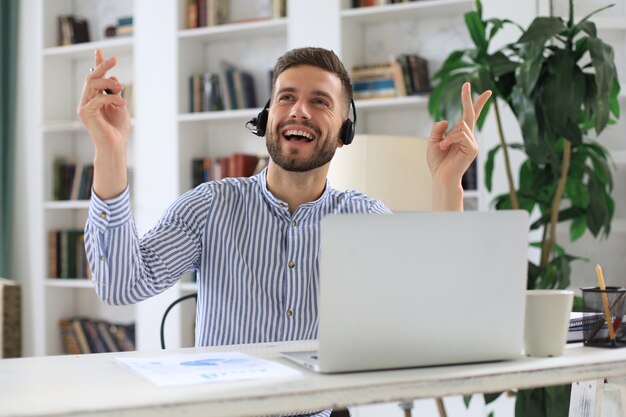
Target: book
[72,29]
[86,335]
[68,337]
[10,318]
[242,165]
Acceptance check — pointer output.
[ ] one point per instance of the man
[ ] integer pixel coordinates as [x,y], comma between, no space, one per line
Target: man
[253,242]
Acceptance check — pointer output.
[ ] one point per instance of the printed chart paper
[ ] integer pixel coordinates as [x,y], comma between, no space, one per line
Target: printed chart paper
[201,368]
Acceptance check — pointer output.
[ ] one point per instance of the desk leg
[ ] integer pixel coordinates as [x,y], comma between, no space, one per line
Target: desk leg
[583,399]
[598,398]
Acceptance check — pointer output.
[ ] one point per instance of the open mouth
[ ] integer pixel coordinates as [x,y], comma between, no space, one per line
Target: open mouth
[298,135]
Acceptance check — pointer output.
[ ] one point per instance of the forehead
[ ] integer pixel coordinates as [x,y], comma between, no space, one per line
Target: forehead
[307,79]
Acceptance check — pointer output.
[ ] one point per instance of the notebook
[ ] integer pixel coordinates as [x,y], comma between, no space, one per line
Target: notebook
[419,289]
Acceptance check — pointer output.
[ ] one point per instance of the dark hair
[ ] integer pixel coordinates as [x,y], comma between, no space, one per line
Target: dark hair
[316,57]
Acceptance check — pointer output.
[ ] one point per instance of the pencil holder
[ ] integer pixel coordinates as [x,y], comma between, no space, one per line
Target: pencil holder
[596,302]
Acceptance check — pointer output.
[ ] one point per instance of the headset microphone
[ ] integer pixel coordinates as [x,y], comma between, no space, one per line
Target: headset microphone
[258,124]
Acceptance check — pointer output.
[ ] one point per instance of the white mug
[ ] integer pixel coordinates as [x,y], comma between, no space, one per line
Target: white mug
[547,321]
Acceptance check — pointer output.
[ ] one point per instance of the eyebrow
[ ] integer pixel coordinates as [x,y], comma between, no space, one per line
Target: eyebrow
[317,93]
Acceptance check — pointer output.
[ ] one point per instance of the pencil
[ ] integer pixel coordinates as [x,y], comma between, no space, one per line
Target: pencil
[605,304]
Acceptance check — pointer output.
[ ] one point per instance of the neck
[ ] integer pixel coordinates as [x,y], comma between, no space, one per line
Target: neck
[296,188]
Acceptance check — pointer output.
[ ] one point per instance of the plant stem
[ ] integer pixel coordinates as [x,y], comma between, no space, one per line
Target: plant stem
[548,244]
[507,161]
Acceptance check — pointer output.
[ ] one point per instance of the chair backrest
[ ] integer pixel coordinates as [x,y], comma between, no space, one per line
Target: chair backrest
[167,311]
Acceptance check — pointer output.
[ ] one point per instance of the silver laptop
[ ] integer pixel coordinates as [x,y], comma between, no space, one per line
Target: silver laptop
[420,289]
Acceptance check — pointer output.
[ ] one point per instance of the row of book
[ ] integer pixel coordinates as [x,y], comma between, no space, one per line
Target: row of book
[403,75]
[231,89]
[71,180]
[66,254]
[234,165]
[72,29]
[202,13]
[84,335]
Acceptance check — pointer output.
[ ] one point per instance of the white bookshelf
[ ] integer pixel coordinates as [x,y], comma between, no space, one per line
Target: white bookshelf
[61,135]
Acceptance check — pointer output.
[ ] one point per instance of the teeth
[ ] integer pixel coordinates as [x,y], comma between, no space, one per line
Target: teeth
[294,132]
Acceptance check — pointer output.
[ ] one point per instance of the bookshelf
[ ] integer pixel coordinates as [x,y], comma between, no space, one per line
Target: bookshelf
[167,136]
[61,136]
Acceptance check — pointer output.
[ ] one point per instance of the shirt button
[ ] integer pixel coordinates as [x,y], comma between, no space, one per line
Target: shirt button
[283,205]
[289,313]
[103,215]
[294,223]
[102,258]
[291,264]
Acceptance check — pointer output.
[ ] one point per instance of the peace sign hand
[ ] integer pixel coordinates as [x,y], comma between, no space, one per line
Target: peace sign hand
[449,155]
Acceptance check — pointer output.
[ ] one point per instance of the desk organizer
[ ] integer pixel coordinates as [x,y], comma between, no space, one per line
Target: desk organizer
[595,329]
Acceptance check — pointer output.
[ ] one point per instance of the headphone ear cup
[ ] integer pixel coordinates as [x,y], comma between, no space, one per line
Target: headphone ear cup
[261,123]
[347,132]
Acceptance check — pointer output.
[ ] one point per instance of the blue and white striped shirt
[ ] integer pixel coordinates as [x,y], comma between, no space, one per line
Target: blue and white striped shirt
[256,263]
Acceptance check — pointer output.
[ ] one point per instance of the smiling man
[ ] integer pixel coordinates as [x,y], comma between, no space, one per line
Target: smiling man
[253,242]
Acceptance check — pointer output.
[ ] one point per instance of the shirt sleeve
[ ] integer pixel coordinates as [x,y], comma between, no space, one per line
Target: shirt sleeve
[126,269]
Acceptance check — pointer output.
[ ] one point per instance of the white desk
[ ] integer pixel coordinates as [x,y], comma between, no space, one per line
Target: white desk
[98,385]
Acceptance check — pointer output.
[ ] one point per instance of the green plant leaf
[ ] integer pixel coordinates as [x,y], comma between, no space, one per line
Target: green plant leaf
[524,109]
[530,403]
[492,396]
[483,115]
[542,29]
[489,164]
[556,397]
[577,228]
[527,73]
[586,26]
[597,211]
[603,60]
[614,105]
[476,28]
[500,64]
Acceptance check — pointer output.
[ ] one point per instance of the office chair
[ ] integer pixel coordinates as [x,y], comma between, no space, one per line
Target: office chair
[167,311]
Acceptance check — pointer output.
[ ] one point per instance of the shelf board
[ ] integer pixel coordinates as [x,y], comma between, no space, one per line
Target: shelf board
[85,50]
[392,103]
[66,205]
[418,9]
[62,126]
[219,115]
[471,194]
[69,126]
[232,31]
[81,283]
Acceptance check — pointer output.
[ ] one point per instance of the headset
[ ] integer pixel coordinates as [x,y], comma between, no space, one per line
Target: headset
[257,125]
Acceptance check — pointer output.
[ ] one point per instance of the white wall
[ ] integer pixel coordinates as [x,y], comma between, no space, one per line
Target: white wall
[26,134]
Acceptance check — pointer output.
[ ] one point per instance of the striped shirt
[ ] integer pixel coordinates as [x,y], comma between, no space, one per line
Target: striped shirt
[256,263]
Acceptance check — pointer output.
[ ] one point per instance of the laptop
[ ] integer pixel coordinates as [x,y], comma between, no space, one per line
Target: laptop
[419,289]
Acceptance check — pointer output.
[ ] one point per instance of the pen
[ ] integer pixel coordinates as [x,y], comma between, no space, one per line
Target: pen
[605,304]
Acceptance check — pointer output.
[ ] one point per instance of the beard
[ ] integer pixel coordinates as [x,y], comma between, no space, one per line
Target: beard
[323,153]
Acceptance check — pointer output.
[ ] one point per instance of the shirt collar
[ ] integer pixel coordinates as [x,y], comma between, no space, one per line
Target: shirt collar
[276,202]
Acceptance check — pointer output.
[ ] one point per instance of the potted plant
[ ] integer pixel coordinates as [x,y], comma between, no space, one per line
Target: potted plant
[559,80]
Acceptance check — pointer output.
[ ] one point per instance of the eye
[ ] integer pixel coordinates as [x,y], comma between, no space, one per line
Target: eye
[285,97]
[320,102]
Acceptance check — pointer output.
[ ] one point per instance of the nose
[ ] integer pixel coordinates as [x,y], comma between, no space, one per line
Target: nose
[300,110]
